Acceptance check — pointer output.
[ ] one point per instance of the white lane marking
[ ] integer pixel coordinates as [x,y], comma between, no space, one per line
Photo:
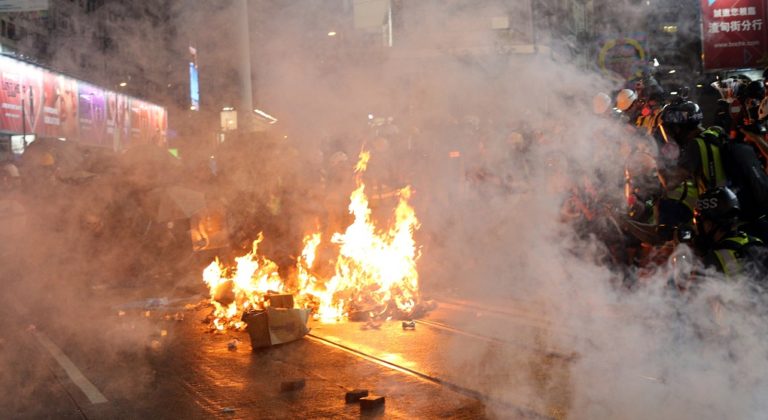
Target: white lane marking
[90,391]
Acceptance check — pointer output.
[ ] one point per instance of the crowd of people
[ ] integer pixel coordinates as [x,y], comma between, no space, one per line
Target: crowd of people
[705,186]
[697,176]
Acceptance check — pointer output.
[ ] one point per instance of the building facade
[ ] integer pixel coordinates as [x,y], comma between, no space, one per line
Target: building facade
[125,46]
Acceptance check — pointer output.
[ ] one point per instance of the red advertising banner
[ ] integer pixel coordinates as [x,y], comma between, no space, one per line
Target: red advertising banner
[59,115]
[49,104]
[149,123]
[158,126]
[139,122]
[21,87]
[734,34]
[32,95]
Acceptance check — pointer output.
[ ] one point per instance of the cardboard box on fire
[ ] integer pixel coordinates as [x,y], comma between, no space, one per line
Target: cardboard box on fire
[276,326]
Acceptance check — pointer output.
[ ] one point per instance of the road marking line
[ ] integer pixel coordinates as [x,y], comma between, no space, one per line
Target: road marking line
[522,411]
[90,391]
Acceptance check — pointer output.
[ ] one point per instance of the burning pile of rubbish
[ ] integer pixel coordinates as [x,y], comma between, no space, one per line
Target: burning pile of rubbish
[374,276]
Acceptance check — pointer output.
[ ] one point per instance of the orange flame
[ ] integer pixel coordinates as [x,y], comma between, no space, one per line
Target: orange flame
[243,289]
[374,268]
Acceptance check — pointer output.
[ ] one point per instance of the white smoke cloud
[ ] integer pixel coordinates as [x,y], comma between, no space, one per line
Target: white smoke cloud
[491,218]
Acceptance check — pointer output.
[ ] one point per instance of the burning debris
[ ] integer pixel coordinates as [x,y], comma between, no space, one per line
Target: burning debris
[374,276]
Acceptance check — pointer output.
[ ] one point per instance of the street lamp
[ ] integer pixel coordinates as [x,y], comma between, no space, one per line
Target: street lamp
[270,119]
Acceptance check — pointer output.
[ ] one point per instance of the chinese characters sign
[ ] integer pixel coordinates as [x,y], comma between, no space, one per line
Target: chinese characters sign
[734,33]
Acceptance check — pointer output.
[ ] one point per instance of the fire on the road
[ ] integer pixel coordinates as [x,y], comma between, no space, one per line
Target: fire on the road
[375,270]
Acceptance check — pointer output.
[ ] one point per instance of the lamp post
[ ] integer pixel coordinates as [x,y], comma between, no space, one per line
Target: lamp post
[244,50]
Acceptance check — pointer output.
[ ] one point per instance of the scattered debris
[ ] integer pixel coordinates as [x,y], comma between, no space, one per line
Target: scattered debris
[360,314]
[409,325]
[355,395]
[371,402]
[232,345]
[228,410]
[163,333]
[179,316]
[371,324]
[292,385]
[275,326]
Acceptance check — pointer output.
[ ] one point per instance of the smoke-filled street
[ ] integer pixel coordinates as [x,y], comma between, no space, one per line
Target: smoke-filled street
[184,372]
[409,209]
[176,367]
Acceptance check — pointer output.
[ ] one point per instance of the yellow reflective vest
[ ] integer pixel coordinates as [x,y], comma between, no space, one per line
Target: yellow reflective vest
[729,253]
[712,169]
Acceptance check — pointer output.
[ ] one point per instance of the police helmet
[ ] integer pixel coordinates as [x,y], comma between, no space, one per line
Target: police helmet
[718,204]
[685,114]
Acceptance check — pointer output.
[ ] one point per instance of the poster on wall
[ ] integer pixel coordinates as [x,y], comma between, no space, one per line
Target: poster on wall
[10,96]
[32,98]
[158,126]
[21,96]
[734,34]
[118,120]
[92,111]
[139,122]
[59,113]
[51,105]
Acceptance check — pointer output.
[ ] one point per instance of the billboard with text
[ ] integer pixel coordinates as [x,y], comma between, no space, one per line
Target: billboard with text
[734,34]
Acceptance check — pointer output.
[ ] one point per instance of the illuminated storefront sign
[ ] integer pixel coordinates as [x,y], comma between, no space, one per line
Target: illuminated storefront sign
[734,34]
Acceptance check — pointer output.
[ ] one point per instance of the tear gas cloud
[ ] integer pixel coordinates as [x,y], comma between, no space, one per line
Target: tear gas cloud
[491,219]
[638,354]
[72,245]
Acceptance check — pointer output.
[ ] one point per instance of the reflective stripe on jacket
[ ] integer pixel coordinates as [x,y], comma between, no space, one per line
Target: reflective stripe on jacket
[710,167]
[686,194]
[729,253]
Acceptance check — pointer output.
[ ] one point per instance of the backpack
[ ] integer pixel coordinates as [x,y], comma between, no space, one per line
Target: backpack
[744,171]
